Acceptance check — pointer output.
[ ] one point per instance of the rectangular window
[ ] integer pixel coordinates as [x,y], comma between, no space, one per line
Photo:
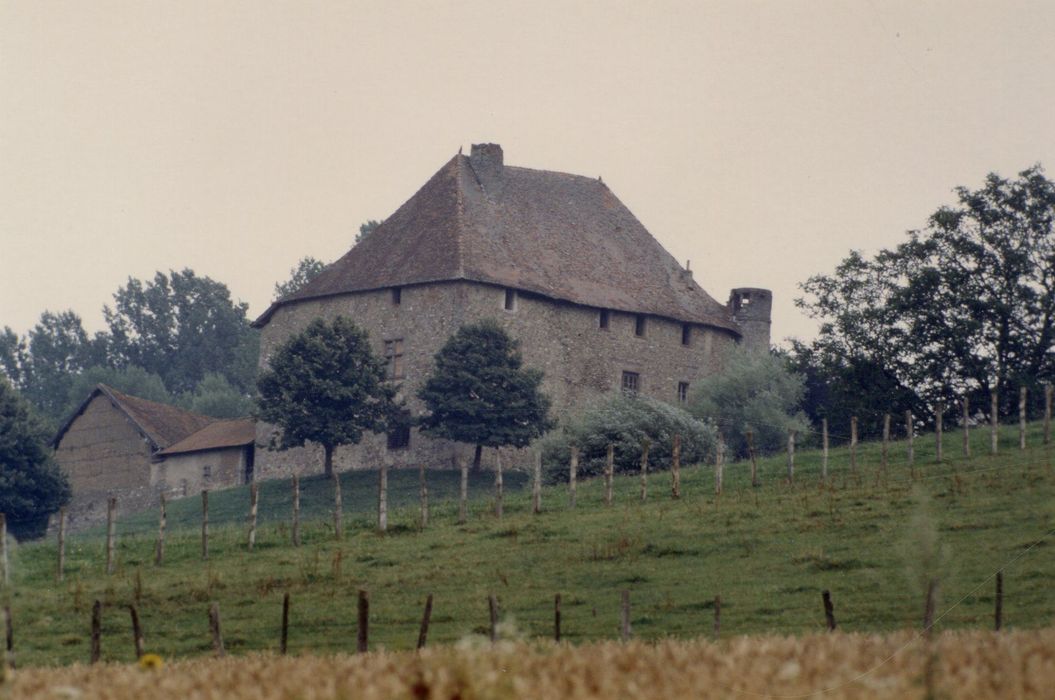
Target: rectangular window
[602,320]
[206,472]
[399,437]
[511,300]
[686,334]
[397,296]
[394,358]
[639,326]
[683,392]
[631,382]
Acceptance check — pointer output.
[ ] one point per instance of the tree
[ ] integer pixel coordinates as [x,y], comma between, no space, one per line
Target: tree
[754,391]
[181,327]
[215,396]
[306,270]
[965,304]
[31,485]
[365,229]
[43,363]
[479,393]
[324,385]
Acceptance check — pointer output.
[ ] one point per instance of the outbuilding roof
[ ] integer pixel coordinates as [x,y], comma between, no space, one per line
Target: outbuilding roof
[161,424]
[217,435]
[566,237]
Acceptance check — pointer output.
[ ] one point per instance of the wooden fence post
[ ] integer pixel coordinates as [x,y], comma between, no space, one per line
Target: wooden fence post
[824,449]
[338,507]
[214,628]
[205,525]
[573,475]
[966,426]
[159,548]
[423,632]
[283,640]
[609,469]
[9,639]
[254,496]
[296,511]
[111,532]
[382,498]
[492,609]
[624,626]
[998,614]
[853,443]
[363,637]
[755,481]
[675,468]
[910,435]
[939,425]
[60,572]
[994,419]
[883,460]
[463,494]
[97,631]
[1022,396]
[928,611]
[829,610]
[137,631]
[424,495]
[556,618]
[645,444]
[719,465]
[5,574]
[717,617]
[499,489]
[791,456]
[536,484]
[1048,391]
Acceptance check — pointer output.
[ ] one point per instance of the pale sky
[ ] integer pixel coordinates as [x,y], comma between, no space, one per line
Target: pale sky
[760,140]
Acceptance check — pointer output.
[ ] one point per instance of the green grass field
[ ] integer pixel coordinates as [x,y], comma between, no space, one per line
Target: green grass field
[768,552]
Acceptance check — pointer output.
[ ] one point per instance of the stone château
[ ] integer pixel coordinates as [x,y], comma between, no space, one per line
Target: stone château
[595,301]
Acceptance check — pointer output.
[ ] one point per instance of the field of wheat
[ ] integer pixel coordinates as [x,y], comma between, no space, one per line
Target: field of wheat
[1017,664]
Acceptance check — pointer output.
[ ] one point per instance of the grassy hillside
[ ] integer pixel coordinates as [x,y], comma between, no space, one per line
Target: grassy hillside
[767,551]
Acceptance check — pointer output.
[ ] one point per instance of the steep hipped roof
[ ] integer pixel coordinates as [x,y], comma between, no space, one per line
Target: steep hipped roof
[219,434]
[562,236]
[161,424]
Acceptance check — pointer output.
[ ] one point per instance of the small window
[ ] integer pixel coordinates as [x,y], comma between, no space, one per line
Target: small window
[639,326]
[683,392]
[631,382]
[399,432]
[397,296]
[394,359]
[511,300]
[686,334]
[603,319]
[206,472]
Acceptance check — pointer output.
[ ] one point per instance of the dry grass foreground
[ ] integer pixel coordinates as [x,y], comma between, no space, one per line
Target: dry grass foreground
[1018,664]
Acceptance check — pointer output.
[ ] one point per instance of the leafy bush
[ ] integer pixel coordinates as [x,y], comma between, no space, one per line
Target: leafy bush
[32,487]
[625,421]
[756,392]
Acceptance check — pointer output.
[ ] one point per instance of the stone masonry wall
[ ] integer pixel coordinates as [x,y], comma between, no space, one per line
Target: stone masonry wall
[103,454]
[181,475]
[580,360]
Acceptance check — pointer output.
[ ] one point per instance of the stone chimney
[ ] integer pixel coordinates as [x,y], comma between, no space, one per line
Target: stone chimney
[486,160]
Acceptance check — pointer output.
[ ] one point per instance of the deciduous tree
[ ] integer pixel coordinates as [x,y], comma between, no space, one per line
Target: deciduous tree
[324,385]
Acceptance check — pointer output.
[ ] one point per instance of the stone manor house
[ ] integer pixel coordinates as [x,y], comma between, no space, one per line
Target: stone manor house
[595,301]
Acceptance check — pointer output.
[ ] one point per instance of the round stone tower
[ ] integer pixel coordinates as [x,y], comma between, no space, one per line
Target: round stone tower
[751,307]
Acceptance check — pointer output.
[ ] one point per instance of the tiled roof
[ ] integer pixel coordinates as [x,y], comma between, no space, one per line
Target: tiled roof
[160,423]
[216,435]
[563,236]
